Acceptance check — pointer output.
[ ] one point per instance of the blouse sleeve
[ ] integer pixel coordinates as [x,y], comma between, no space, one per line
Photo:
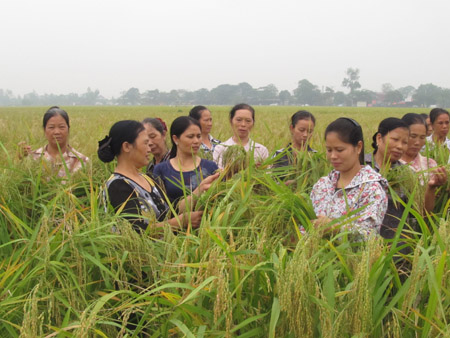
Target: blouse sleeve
[122,195]
[375,200]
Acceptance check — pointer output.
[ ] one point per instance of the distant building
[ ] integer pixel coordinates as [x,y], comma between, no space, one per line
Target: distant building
[361,104]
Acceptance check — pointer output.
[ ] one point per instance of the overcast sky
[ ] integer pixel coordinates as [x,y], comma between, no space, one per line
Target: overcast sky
[62,46]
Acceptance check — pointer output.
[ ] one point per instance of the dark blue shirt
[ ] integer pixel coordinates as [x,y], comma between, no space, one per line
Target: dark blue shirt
[173,182]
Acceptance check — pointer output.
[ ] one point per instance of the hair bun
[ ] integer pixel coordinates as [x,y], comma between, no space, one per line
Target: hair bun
[105,152]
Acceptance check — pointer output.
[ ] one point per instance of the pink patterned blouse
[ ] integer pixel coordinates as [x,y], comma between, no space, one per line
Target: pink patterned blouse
[367,190]
[72,158]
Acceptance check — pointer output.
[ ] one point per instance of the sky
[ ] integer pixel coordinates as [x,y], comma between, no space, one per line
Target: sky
[64,46]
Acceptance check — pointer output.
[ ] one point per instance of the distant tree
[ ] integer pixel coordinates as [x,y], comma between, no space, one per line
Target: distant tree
[352,79]
[328,96]
[393,96]
[285,97]
[340,98]
[427,95]
[245,93]
[90,97]
[364,95]
[201,96]
[31,99]
[226,94]
[151,97]
[386,87]
[131,97]
[444,100]
[407,91]
[307,93]
[267,94]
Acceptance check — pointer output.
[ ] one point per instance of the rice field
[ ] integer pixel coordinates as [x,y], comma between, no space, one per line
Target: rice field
[246,272]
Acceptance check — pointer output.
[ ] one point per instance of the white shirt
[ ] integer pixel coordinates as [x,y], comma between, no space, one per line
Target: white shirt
[260,152]
[430,141]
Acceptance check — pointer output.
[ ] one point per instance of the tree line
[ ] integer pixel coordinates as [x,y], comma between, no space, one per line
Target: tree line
[306,93]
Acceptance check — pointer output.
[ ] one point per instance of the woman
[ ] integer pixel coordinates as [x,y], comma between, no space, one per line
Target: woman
[131,192]
[417,138]
[242,120]
[350,185]
[185,169]
[301,128]
[390,143]
[440,120]
[203,115]
[156,130]
[62,157]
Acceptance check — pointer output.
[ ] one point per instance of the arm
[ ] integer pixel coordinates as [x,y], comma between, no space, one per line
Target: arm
[438,177]
[190,201]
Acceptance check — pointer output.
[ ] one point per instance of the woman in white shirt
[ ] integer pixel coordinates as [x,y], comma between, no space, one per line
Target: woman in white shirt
[242,120]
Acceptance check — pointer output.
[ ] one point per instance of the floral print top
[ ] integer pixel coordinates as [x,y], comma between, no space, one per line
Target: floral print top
[367,190]
[421,163]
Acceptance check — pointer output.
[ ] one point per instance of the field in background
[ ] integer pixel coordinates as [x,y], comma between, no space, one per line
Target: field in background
[90,124]
[247,272]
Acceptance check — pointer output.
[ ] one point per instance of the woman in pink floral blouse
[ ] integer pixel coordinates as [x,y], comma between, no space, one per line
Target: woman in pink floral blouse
[59,157]
[417,139]
[351,188]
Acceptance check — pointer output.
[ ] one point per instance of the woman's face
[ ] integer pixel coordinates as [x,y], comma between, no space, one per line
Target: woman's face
[206,121]
[342,156]
[57,131]
[393,145]
[189,142]
[302,132]
[242,123]
[441,125]
[140,150]
[417,138]
[156,142]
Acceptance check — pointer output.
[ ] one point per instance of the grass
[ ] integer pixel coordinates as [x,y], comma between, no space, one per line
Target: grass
[246,272]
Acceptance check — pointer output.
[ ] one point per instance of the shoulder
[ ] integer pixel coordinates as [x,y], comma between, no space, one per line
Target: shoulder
[325,182]
[118,184]
[162,168]
[73,153]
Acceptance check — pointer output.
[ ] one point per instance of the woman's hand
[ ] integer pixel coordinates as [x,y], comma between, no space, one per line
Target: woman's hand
[196,218]
[207,182]
[182,221]
[323,223]
[23,149]
[438,177]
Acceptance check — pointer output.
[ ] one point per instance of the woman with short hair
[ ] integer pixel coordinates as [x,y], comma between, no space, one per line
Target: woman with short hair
[63,159]
[242,120]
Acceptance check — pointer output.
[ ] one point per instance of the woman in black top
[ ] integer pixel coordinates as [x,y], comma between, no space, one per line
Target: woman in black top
[132,193]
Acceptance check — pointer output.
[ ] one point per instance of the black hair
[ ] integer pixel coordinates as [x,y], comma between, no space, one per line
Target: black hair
[349,131]
[425,116]
[120,132]
[302,115]
[412,118]
[385,127]
[54,111]
[156,123]
[196,112]
[178,127]
[436,112]
[242,106]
